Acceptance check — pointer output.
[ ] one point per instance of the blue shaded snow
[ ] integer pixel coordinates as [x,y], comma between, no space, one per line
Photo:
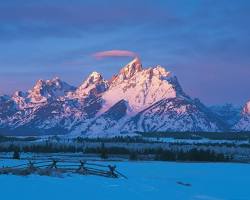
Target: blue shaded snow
[146,181]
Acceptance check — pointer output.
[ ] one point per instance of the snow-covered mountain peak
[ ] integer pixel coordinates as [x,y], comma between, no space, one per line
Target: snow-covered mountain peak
[56,80]
[93,78]
[93,85]
[130,69]
[49,89]
[246,109]
[244,122]
[134,65]
[143,87]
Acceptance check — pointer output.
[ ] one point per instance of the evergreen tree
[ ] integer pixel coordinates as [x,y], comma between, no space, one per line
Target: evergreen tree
[133,156]
[104,153]
[16,154]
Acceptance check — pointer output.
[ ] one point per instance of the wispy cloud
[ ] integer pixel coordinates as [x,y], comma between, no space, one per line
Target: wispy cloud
[114,53]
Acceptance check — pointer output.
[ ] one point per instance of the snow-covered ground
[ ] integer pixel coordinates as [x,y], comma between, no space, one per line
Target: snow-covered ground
[146,180]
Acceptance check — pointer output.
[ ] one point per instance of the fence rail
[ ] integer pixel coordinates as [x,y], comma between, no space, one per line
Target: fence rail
[56,167]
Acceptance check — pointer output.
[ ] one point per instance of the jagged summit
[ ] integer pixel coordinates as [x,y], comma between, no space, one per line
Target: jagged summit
[141,87]
[130,69]
[45,90]
[244,122]
[93,85]
[133,66]
[246,109]
[93,78]
[54,82]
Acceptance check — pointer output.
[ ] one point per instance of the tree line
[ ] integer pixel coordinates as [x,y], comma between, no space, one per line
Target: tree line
[104,152]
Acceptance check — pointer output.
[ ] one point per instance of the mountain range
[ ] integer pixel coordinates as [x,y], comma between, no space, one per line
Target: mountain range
[134,100]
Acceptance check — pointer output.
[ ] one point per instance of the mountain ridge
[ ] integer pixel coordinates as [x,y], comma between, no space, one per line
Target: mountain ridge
[134,100]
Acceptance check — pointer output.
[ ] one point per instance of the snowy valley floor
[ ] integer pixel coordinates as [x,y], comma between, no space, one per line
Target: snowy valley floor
[146,180]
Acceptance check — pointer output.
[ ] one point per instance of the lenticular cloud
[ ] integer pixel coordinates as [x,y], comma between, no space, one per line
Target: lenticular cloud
[114,53]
